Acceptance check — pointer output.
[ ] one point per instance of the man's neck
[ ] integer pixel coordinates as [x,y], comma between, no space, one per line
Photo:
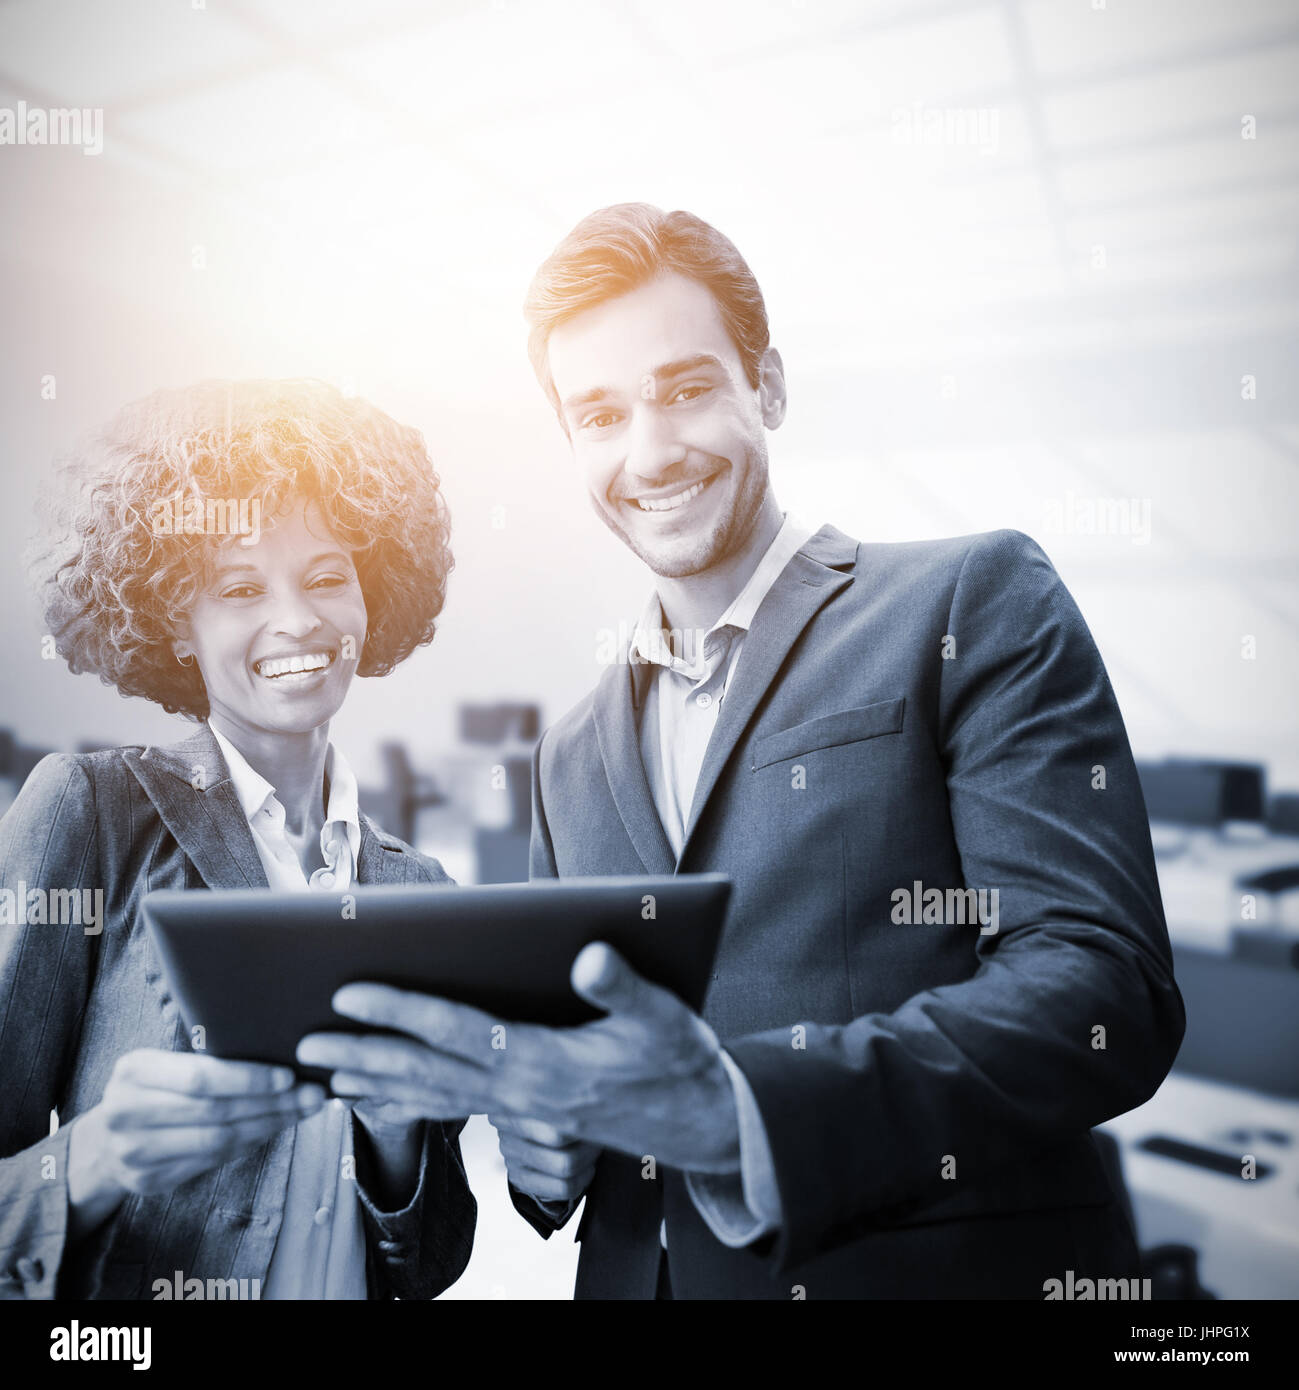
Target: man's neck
[294,764]
[696,601]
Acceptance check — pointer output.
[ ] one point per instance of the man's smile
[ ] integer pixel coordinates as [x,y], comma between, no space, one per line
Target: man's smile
[670,502]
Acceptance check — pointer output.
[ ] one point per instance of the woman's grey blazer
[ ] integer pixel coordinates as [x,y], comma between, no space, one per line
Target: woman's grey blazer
[129,820]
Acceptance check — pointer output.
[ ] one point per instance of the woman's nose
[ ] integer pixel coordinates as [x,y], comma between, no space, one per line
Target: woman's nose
[294,616]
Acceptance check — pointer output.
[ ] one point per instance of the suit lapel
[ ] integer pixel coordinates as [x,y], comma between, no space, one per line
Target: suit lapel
[375,864]
[189,785]
[614,705]
[810,580]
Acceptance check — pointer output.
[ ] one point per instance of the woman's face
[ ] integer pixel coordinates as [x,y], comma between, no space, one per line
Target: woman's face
[278,629]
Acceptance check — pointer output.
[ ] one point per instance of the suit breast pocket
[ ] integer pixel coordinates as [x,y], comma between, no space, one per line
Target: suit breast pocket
[830,731]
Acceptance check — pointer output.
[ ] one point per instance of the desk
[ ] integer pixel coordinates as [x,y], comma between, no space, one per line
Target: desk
[1246,1230]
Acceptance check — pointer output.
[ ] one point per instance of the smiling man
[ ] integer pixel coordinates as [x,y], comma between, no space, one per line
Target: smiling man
[870,1105]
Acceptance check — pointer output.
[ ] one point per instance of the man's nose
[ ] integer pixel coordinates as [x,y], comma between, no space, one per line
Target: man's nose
[653,448]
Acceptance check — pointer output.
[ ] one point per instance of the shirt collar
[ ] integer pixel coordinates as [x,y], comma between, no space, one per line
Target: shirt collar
[255,792]
[649,642]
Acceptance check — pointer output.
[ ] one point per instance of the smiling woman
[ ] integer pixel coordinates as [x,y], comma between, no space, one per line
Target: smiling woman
[117,586]
[236,552]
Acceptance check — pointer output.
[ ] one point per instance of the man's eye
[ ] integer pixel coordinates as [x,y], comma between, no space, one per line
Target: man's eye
[691,393]
[600,422]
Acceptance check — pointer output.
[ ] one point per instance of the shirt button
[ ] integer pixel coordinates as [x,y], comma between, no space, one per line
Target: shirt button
[326,880]
[322,1215]
[703,699]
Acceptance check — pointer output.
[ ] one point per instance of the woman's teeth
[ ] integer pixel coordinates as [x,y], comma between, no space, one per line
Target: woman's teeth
[274,668]
[669,504]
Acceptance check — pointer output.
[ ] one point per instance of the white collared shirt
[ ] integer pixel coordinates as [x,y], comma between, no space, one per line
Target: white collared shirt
[684,694]
[320,1250]
[340,836]
[683,698]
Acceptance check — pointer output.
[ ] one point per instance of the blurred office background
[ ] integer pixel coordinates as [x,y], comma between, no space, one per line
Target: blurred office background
[1031,263]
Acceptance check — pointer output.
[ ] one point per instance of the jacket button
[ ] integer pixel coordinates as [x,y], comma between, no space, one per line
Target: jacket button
[30,1271]
[322,1215]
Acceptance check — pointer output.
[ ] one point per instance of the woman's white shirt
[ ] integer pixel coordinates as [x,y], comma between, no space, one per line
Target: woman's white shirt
[320,1252]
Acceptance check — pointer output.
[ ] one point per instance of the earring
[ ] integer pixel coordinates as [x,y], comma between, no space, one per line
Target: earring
[186,661]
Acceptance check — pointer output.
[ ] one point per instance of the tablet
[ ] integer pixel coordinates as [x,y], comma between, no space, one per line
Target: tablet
[256,970]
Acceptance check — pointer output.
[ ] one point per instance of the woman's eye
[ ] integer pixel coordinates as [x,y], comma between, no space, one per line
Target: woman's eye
[328,581]
[239,591]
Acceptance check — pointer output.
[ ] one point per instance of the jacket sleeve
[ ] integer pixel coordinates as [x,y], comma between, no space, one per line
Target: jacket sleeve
[544,1217]
[49,844]
[1072,1015]
[421,1250]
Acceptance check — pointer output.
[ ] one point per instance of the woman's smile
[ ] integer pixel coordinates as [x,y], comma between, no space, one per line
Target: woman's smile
[295,670]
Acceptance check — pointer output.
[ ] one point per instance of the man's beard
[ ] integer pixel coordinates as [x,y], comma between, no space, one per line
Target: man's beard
[727,535]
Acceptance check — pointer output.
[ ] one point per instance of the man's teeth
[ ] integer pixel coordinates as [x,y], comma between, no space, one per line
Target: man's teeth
[293,665]
[668,504]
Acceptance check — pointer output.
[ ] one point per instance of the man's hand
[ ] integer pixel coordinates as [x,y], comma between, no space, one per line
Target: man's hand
[648,1079]
[543,1162]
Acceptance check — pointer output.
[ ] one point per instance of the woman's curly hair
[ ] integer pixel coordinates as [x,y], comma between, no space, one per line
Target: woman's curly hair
[115,593]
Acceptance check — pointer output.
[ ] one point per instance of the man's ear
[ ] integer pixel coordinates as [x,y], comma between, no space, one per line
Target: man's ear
[771,388]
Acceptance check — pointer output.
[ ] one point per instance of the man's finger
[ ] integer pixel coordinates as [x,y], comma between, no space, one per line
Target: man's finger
[395,1058]
[558,1163]
[441,1023]
[549,1189]
[427,1101]
[535,1131]
[603,978]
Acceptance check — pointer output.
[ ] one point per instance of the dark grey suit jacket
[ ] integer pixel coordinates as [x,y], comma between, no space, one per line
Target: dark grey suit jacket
[929,1121]
[130,820]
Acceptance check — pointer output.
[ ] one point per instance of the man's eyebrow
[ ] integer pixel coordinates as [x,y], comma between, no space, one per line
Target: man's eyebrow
[689,364]
[596,393]
[660,373]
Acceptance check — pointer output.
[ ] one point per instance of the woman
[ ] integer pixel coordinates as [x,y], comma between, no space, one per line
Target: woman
[235,553]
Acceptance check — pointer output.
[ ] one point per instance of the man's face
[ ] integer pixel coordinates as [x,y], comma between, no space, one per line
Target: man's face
[664,423]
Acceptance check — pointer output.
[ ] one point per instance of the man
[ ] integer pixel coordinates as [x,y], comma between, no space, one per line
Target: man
[945,958]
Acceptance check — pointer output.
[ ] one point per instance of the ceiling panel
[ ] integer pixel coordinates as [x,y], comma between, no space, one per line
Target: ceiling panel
[59,46]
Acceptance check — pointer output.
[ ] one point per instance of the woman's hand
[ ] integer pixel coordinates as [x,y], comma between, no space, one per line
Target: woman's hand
[166,1117]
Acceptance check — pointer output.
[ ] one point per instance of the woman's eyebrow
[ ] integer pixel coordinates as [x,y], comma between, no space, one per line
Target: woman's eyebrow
[223,570]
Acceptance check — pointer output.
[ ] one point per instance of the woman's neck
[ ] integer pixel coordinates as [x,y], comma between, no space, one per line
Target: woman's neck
[294,764]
